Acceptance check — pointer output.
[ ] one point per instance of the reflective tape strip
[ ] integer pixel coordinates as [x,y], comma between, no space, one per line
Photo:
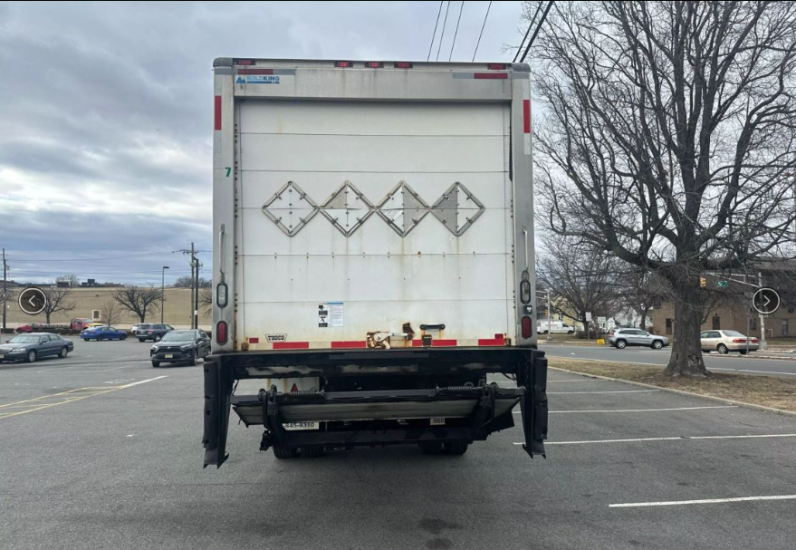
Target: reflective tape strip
[217,125]
[349,344]
[291,345]
[281,72]
[481,76]
[435,343]
[526,115]
[492,342]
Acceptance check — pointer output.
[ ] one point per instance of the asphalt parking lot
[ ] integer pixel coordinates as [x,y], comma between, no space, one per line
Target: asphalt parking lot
[102,451]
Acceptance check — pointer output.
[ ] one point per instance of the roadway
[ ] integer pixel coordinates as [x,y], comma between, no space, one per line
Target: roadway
[732,362]
[102,451]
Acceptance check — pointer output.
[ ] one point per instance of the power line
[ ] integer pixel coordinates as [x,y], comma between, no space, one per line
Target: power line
[444,24]
[482,30]
[538,28]
[530,26]
[455,34]
[105,258]
[434,35]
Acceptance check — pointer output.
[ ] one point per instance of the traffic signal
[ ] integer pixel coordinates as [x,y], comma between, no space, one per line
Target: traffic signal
[702,282]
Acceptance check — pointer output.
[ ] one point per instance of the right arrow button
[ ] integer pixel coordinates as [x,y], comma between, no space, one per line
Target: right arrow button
[766,301]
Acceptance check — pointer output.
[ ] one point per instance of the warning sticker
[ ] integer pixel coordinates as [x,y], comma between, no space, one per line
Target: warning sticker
[330,314]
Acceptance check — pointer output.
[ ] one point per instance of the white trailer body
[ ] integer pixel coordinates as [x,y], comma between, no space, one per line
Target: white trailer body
[370,206]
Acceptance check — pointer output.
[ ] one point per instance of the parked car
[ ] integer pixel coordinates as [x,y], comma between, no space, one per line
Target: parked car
[181,345]
[149,331]
[30,327]
[725,341]
[623,337]
[103,333]
[30,347]
[80,323]
[554,327]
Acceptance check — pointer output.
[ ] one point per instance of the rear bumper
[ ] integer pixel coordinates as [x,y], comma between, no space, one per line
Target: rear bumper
[175,356]
[377,417]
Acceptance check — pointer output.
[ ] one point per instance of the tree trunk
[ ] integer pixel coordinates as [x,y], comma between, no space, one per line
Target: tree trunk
[643,314]
[686,358]
[47,316]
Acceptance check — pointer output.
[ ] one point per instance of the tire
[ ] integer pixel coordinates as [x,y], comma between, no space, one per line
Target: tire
[743,352]
[155,364]
[657,344]
[545,332]
[430,447]
[123,338]
[456,448]
[158,337]
[621,344]
[99,338]
[32,356]
[192,362]
[722,349]
[142,340]
[63,353]
[570,332]
[282,452]
[312,452]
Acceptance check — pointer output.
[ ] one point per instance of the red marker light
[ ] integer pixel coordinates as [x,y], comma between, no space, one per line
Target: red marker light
[374,65]
[496,67]
[221,332]
[244,61]
[343,64]
[402,65]
[526,327]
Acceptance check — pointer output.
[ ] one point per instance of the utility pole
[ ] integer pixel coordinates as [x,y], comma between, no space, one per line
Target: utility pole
[763,343]
[549,315]
[162,290]
[194,286]
[5,290]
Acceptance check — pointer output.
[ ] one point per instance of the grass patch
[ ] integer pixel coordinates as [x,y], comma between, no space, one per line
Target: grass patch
[757,390]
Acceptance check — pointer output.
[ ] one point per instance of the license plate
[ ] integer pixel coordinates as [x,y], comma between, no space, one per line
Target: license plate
[2,356]
[169,356]
[437,421]
[298,426]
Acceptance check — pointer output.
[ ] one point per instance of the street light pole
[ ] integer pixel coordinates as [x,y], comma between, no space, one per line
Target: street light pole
[162,290]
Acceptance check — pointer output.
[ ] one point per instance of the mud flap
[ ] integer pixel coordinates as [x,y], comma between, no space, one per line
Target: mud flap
[533,376]
[218,393]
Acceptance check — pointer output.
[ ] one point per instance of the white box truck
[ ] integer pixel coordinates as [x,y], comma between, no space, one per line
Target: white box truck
[373,257]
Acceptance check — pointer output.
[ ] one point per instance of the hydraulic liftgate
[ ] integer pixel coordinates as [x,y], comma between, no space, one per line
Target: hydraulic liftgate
[368,417]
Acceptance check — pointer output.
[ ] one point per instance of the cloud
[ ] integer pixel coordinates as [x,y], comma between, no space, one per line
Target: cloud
[106,109]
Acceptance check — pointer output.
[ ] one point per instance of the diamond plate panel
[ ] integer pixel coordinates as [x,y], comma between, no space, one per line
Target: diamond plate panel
[347,209]
[290,208]
[457,209]
[402,209]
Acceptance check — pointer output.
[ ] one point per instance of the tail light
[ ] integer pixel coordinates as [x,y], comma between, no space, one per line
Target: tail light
[496,67]
[244,62]
[374,65]
[754,340]
[221,333]
[526,327]
[739,341]
[150,331]
[402,65]
[343,64]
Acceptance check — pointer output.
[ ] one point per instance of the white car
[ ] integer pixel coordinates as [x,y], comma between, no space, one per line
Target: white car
[725,341]
[555,327]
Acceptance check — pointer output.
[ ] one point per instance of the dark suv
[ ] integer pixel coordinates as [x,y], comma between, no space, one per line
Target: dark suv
[149,331]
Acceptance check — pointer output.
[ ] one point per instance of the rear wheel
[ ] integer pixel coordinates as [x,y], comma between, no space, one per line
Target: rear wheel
[142,340]
[63,353]
[283,452]
[743,352]
[724,350]
[192,362]
[32,355]
[621,344]
[456,448]
[657,344]
[312,452]
[431,447]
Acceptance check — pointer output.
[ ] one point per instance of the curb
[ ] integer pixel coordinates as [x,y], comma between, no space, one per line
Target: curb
[681,392]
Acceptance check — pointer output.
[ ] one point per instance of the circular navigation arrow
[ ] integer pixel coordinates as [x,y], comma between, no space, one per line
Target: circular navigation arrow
[32,300]
[766,301]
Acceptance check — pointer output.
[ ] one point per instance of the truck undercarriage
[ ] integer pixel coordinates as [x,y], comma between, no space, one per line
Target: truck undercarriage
[438,398]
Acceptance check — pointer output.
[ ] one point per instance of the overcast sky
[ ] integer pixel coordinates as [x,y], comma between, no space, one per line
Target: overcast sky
[105,148]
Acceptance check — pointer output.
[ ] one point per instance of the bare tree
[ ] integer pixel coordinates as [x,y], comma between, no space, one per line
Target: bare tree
[111,312]
[669,136]
[138,300]
[206,299]
[639,291]
[185,282]
[580,275]
[56,301]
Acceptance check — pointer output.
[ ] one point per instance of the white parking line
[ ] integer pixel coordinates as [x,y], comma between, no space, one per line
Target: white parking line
[142,382]
[702,501]
[641,410]
[601,392]
[674,438]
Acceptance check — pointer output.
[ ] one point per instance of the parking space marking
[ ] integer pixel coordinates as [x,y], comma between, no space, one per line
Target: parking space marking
[600,392]
[673,438]
[39,403]
[641,410]
[701,501]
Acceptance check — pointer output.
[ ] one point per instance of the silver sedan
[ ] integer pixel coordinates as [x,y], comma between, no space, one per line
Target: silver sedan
[725,341]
